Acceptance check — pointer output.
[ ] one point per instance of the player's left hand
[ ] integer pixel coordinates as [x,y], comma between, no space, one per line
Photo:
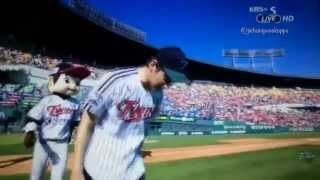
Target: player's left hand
[146,153]
[29,139]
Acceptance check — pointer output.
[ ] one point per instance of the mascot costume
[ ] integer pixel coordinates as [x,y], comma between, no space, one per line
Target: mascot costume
[50,123]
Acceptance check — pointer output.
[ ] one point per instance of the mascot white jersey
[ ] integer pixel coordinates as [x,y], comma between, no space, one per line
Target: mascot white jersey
[51,121]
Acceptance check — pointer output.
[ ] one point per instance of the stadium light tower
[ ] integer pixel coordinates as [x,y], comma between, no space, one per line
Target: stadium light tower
[231,53]
[272,63]
[272,53]
[252,54]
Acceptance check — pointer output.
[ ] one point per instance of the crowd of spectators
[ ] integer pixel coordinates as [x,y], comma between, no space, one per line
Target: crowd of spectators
[294,107]
[12,95]
[16,57]
[255,105]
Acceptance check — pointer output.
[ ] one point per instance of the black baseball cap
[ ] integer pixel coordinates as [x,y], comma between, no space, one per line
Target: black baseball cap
[74,70]
[174,62]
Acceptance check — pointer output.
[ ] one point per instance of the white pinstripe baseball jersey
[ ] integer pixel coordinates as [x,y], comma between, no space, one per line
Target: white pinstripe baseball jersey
[122,106]
[55,115]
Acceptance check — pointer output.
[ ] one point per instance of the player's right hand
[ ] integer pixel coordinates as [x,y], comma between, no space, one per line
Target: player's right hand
[29,139]
[77,175]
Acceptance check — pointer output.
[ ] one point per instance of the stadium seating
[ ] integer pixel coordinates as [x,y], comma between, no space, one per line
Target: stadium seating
[285,107]
[258,105]
[16,57]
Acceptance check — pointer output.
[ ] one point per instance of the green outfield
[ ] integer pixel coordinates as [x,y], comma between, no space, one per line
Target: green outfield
[278,164]
[282,164]
[12,144]
[185,141]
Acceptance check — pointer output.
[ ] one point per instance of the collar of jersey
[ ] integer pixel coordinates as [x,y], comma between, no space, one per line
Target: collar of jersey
[63,96]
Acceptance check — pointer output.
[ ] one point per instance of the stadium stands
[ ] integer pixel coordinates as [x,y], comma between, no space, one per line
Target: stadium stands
[283,107]
[24,95]
[271,106]
[15,57]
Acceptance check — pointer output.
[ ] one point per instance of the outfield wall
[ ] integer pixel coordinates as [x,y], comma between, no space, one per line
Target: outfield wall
[223,127]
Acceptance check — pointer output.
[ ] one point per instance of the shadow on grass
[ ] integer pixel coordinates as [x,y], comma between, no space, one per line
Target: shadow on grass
[13,161]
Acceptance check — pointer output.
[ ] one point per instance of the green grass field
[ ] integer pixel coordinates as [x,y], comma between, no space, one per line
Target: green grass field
[277,164]
[270,164]
[12,144]
[185,141]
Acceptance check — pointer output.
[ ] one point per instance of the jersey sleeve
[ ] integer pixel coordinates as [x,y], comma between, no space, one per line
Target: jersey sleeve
[77,113]
[76,116]
[101,97]
[36,114]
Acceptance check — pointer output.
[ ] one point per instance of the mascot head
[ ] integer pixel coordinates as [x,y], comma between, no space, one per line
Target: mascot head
[66,79]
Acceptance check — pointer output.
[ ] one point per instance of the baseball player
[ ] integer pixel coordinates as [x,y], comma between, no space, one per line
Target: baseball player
[111,132]
[52,119]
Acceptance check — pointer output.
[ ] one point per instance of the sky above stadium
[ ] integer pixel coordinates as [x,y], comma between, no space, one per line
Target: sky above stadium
[204,29]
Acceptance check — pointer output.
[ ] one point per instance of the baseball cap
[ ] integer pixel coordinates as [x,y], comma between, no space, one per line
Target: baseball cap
[75,70]
[174,62]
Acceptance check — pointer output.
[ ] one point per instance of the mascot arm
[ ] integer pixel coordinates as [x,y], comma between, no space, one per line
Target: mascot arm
[35,115]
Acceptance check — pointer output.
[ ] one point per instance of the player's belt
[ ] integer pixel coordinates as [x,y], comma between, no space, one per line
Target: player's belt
[57,140]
